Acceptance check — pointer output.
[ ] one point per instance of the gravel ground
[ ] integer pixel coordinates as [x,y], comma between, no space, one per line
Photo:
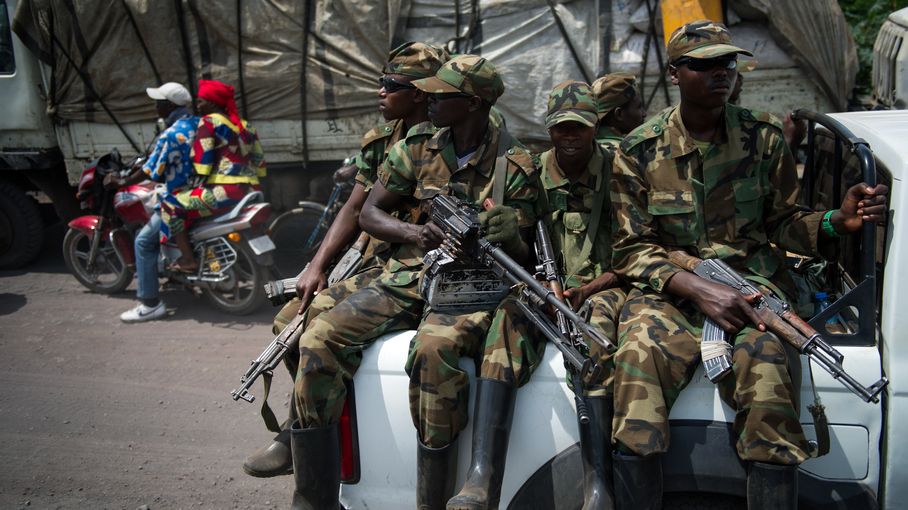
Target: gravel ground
[99,414]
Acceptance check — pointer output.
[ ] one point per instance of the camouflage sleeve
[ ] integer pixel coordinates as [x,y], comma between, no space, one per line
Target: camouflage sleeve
[367,162]
[397,173]
[636,252]
[257,155]
[522,190]
[790,226]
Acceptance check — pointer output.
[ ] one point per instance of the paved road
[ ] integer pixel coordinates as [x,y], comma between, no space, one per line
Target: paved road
[99,414]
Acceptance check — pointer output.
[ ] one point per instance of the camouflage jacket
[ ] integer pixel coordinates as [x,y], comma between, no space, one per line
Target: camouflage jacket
[424,164]
[567,208]
[608,137]
[374,149]
[736,202]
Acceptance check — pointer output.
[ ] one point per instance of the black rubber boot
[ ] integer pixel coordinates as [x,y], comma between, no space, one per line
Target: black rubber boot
[274,459]
[772,486]
[491,428]
[638,482]
[316,467]
[596,452]
[436,472]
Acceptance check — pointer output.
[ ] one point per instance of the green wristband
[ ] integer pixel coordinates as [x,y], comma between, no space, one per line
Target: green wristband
[827,225]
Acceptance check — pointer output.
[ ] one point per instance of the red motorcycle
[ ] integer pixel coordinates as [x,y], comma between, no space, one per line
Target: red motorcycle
[235,253]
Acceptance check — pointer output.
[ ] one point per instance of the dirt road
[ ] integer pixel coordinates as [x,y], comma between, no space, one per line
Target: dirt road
[99,414]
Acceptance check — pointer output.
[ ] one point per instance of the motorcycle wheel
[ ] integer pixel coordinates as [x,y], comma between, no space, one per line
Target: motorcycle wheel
[110,275]
[291,232]
[243,291]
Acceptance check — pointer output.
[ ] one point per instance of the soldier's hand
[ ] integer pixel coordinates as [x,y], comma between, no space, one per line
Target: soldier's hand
[728,308]
[310,283]
[861,203]
[578,295]
[502,227]
[429,236]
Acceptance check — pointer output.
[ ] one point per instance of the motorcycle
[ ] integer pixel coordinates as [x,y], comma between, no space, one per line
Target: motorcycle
[235,253]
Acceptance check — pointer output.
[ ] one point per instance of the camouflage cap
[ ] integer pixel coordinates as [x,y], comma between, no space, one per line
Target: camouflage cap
[613,90]
[701,39]
[469,74]
[571,101]
[416,59]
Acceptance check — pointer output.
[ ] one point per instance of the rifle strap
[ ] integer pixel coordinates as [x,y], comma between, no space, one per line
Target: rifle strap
[820,422]
[267,413]
[596,219]
[500,173]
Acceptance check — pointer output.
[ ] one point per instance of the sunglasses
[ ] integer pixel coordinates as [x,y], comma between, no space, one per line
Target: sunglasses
[391,85]
[707,64]
[449,95]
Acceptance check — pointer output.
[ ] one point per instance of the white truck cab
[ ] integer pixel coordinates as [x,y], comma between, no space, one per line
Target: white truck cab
[863,469]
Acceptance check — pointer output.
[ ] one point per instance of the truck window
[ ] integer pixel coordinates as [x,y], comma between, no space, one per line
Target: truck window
[7,62]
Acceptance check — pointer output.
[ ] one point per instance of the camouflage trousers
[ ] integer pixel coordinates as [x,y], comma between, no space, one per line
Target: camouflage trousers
[331,348]
[514,348]
[322,302]
[602,310]
[658,354]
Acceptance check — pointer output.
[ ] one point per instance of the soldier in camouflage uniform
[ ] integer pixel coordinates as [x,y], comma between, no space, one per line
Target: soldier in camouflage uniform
[620,105]
[717,181]
[457,159]
[575,208]
[403,107]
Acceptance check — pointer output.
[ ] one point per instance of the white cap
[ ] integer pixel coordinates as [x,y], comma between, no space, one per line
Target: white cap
[173,92]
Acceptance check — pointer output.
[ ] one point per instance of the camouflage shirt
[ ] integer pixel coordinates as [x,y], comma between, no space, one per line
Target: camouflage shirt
[424,164]
[607,137]
[735,202]
[375,147]
[568,208]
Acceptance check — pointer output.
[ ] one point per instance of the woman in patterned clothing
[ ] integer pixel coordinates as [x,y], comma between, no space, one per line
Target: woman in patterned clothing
[227,153]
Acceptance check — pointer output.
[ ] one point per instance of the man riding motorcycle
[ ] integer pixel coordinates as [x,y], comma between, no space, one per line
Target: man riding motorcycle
[170,161]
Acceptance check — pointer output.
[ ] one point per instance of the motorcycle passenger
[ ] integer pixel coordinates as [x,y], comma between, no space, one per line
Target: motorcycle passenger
[227,154]
[404,107]
[171,162]
[717,181]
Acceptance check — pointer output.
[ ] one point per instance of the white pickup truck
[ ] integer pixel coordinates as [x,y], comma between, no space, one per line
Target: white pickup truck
[866,464]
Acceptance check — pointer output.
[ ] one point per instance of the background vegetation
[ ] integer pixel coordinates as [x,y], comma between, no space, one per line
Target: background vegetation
[865,17]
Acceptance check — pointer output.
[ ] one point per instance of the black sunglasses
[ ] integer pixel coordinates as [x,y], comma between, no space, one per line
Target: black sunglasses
[444,96]
[707,64]
[391,85]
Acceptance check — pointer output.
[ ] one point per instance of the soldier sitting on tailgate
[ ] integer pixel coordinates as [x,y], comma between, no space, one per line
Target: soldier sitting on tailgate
[717,181]
[404,107]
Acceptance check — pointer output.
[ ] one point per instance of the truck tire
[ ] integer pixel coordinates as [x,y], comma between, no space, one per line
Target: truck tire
[21,227]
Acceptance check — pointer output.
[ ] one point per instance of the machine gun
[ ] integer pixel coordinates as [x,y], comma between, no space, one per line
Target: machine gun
[781,321]
[269,358]
[460,223]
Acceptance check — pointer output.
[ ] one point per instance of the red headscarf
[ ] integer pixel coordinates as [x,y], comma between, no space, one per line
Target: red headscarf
[221,94]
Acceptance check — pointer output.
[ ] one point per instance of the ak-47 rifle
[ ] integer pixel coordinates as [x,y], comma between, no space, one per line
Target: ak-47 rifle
[282,291]
[459,222]
[781,321]
[270,357]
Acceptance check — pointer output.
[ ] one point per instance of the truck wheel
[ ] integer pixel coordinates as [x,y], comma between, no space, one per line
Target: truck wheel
[21,227]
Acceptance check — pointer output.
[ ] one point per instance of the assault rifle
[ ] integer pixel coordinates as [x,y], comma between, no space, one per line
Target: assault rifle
[781,321]
[282,291]
[269,358]
[460,223]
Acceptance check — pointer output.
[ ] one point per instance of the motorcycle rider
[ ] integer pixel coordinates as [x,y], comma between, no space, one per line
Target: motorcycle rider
[169,161]
[227,153]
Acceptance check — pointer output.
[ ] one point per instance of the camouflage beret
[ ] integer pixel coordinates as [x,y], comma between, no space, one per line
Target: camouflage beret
[416,59]
[613,90]
[469,74]
[571,101]
[701,39]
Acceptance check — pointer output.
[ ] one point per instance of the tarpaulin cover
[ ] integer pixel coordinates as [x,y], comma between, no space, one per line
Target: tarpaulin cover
[348,40]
